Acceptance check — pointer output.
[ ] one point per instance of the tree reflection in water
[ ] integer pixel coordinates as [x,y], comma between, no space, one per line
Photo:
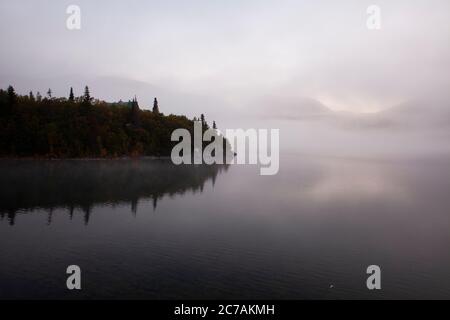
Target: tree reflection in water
[26,186]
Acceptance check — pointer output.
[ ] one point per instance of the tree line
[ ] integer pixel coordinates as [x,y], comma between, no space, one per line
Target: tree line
[82,127]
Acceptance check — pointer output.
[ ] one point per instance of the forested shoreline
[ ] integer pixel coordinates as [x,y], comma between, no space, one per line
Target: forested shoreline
[32,126]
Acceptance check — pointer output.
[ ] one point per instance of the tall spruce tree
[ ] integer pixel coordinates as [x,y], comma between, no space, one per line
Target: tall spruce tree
[135,120]
[87,96]
[202,119]
[155,106]
[12,96]
[71,96]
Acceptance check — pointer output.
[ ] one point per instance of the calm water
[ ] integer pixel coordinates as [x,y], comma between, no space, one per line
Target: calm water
[150,230]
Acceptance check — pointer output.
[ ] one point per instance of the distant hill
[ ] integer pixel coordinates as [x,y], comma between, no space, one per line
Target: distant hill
[416,114]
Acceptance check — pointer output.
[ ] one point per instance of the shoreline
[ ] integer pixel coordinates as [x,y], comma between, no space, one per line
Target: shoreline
[85,158]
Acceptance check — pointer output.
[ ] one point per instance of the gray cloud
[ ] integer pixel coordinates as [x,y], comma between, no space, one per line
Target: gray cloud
[244,63]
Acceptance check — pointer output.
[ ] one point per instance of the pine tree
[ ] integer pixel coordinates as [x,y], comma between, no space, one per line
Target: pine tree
[71,96]
[214,125]
[31,96]
[38,97]
[87,96]
[49,93]
[155,106]
[202,119]
[135,120]
[12,96]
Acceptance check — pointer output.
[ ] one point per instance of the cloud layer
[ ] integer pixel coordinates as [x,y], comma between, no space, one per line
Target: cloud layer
[242,61]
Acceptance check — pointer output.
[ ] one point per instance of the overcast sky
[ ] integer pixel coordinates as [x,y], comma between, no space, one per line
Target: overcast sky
[228,58]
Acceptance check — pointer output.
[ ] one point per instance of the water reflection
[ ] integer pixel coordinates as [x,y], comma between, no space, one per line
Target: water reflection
[30,185]
[319,222]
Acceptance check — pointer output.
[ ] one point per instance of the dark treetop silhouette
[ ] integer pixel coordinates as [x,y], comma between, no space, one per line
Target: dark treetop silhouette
[80,127]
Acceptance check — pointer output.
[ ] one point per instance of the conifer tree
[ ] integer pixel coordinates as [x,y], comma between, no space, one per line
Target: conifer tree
[155,106]
[202,119]
[71,96]
[87,96]
[49,93]
[12,96]
[135,112]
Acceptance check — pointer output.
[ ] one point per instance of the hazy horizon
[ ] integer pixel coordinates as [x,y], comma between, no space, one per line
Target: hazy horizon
[311,69]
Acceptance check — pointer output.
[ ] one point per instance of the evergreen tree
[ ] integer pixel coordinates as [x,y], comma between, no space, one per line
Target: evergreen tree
[205,125]
[214,125]
[135,112]
[49,93]
[71,96]
[12,96]
[155,106]
[38,97]
[31,96]
[87,96]
[202,119]
[3,102]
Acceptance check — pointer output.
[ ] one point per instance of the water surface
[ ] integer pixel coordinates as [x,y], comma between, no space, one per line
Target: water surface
[147,229]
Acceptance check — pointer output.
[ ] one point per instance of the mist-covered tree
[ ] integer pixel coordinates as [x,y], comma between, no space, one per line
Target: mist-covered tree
[155,106]
[214,125]
[31,96]
[86,96]
[38,97]
[204,123]
[49,93]
[12,96]
[134,114]
[71,96]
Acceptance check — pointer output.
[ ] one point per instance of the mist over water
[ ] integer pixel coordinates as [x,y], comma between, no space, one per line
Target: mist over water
[319,222]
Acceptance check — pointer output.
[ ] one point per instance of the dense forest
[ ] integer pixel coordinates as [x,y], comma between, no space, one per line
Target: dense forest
[83,127]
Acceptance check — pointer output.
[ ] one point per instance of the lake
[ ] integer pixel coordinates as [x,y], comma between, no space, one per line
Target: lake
[147,229]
